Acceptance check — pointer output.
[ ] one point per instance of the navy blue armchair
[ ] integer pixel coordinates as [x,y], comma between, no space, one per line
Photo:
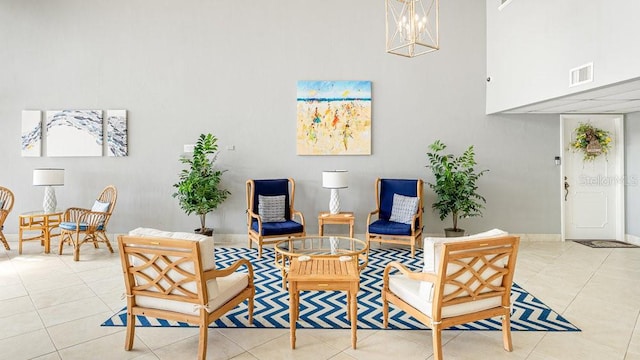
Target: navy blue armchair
[399,213]
[270,212]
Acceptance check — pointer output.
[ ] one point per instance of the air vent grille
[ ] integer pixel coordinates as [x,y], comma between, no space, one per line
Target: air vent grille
[580,75]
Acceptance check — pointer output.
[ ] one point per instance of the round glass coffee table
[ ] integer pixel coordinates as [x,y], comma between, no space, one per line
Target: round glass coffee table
[344,248]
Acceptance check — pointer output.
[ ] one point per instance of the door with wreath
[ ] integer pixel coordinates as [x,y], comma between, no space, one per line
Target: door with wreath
[592,177]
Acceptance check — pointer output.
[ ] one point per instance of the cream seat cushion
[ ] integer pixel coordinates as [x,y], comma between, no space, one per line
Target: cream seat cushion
[409,290]
[224,289]
[220,290]
[419,294]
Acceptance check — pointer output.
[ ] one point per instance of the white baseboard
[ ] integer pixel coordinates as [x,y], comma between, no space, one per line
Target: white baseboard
[241,239]
[235,239]
[635,240]
[523,237]
[540,237]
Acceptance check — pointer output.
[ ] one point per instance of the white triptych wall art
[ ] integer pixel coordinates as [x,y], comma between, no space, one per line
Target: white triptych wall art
[74,133]
[117,132]
[31,139]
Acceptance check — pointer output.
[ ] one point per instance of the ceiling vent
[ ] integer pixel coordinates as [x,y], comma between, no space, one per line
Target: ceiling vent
[580,75]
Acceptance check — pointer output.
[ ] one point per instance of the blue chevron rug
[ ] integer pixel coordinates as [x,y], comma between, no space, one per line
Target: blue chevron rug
[327,309]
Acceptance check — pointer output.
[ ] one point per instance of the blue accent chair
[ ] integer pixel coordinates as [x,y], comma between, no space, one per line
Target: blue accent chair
[262,232]
[80,226]
[384,230]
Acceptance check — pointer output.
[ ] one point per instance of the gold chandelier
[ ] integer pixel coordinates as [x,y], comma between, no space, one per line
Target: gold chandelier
[412,27]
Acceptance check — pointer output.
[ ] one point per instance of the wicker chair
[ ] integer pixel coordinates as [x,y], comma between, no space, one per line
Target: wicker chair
[6,204]
[80,225]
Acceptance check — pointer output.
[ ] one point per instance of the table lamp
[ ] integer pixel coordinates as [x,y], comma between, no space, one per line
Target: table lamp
[334,180]
[48,178]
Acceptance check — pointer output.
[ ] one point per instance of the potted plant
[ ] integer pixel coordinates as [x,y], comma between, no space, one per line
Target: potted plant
[455,185]
[198,190]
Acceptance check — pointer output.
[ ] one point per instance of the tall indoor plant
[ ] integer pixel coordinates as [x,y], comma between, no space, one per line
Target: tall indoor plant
[198,190]
[455,185]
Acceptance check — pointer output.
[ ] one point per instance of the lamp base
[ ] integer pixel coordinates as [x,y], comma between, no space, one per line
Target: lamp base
[334,202]
[49,204]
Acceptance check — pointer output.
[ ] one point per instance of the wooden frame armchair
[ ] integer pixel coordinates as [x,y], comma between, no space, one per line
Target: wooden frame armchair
[80,225]
[6,204]
[391,226]
[263,230]
[175,279]
[471,282]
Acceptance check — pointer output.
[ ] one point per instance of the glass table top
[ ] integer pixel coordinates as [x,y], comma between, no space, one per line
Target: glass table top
[41,213]
[321,245]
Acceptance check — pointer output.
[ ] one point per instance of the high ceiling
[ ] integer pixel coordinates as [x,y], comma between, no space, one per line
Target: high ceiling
[620,98]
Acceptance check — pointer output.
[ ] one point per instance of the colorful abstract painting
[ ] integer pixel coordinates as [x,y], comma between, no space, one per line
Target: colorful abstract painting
[334,118]
[117,133]
[31,135]
[74,133]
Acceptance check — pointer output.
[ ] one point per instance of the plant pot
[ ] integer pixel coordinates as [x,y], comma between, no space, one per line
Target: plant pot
[205,232]
[450,232]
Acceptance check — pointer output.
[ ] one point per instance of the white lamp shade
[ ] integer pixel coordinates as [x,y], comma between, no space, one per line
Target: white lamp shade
[48,177]
[335,179]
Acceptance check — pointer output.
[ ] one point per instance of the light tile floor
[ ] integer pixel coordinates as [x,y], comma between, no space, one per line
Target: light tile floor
[51,308]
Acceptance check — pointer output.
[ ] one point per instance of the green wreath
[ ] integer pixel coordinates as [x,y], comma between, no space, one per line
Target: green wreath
[591,141]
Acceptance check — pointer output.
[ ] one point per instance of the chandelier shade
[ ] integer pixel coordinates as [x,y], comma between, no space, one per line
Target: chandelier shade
[412,27]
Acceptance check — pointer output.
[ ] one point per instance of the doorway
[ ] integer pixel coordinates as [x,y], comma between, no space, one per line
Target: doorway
[592,197]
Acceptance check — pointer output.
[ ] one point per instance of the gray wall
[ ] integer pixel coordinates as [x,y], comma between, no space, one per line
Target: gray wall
[632,171]
[532,45]
[182,68]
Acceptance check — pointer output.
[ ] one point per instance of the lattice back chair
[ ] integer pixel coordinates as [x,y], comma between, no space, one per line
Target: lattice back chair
[399,213]
[80,225]
[472,282]
[167,278]
[6,204]
[270,212]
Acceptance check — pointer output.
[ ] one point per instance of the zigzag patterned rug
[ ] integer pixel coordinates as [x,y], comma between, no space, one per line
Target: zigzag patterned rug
[327,309]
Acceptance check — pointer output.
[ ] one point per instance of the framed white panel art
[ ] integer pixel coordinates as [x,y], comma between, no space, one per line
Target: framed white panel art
[117,133]
[31,134]
[74,133]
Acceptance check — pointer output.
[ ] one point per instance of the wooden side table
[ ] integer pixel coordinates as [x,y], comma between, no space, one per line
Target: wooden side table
[39,221]
[346,218]
[323,274]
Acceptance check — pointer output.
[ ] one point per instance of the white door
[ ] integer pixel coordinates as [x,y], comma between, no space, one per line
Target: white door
[592,191]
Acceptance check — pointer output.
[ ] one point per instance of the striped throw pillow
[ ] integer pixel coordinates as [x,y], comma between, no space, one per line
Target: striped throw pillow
[271,208]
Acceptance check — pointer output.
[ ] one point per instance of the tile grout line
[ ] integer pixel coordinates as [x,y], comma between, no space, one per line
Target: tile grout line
[29,293]
[626,351]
